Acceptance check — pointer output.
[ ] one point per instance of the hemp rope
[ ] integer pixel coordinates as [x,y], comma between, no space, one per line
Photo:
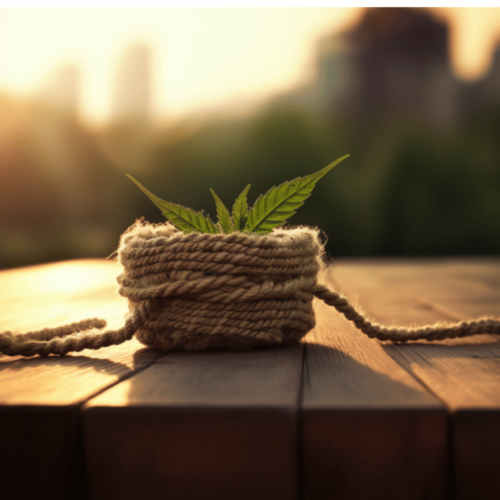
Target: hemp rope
[225,291]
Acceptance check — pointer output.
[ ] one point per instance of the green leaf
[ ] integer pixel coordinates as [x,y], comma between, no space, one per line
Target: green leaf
[223,214]
[280,203]
[185,219]
[240,210]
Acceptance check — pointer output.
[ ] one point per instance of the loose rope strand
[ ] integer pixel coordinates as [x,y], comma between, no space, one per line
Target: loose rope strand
[402,334]
[72,338]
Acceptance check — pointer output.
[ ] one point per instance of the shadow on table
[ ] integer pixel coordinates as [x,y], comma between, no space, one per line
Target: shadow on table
[479,346]
[142,358]
[333,376]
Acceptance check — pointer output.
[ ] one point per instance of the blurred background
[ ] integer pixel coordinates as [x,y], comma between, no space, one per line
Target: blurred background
[188,99]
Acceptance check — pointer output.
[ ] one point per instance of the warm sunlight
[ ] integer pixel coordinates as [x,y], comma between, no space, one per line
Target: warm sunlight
[474,34]
[190,99]
[200,57]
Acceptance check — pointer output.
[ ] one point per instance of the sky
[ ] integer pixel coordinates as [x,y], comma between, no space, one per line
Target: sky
[201,58]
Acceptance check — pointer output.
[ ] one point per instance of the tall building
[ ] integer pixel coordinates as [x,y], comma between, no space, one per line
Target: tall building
[62,90]
[132,97]
[483,95]
[394,64]
[63,147]
[400,65]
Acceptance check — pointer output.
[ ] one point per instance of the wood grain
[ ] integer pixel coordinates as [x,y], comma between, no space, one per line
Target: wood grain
[443,288]
[374,420]
[212,425]
[369,429]
[40,425]
[464,374]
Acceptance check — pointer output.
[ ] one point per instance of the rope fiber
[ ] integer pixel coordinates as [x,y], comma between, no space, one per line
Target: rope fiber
[225,291]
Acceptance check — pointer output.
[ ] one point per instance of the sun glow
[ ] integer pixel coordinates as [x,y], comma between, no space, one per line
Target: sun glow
[474,35]
[200,58]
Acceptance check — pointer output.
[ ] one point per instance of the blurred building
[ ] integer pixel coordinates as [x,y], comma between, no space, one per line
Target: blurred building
[56,137]
[479,96]
[492,80]
[126,141]
[394,64]
[132,97]
[62,90]
[400,68]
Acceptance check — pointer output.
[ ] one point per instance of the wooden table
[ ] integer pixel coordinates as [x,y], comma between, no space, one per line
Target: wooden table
[336,417]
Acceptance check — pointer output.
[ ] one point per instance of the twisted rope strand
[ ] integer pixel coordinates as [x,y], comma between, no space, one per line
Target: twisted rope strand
[402,334]
[62,331]
[74,340]
[224,291]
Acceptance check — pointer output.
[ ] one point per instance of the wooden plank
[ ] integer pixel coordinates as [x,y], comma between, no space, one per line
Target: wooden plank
[464,373]
[443,288]
[41,445]
[211,425]
[369,429]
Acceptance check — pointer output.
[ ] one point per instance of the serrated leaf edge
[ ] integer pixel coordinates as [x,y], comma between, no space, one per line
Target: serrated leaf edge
[223,215]
[165,209]
[240,210]
[303,182]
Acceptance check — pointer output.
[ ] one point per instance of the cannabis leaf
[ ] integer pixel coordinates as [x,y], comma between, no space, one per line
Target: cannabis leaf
[268,212]
[240,210]
[223,214]
[280,203]
[184,219]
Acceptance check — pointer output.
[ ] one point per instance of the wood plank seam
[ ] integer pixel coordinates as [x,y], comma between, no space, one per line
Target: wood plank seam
[464,374]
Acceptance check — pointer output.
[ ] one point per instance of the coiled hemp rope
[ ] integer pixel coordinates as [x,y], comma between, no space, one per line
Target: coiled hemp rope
[225,291]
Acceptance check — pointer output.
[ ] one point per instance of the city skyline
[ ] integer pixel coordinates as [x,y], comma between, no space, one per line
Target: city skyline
[193,87]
